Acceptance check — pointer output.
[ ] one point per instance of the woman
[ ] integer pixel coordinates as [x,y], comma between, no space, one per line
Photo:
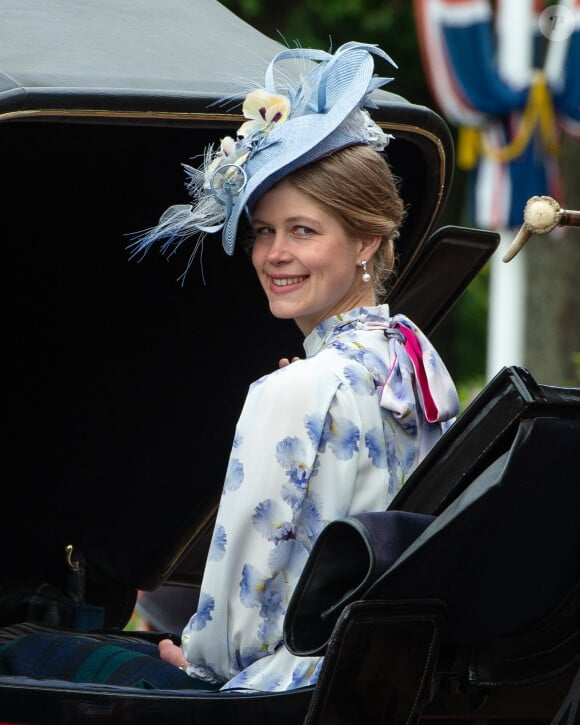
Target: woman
[334,434]
[338,432]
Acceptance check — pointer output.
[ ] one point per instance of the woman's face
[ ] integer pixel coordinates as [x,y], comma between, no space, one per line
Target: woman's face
[306,263]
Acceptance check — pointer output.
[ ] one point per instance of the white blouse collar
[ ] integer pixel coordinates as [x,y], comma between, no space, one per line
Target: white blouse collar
[353,319]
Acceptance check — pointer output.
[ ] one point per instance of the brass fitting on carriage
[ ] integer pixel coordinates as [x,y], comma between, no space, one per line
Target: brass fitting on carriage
[542,214]
[76,574]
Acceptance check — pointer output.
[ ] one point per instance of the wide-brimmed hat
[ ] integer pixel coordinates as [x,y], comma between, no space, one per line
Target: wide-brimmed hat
[312,104]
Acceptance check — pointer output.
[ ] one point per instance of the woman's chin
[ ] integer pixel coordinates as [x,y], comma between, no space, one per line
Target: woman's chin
[282,312]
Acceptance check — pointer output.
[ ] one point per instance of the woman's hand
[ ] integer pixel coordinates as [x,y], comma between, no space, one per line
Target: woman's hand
[285,361]
[172,654]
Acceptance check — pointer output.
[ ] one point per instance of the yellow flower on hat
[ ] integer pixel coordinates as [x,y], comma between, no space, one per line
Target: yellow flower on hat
[265,110]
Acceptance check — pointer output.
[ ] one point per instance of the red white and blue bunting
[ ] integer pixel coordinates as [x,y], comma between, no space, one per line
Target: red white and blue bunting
[507,76]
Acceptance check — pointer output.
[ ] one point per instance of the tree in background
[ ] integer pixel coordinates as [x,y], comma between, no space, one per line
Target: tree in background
[322,23]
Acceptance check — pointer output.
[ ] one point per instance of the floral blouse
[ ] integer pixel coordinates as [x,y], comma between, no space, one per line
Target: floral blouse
[334,434]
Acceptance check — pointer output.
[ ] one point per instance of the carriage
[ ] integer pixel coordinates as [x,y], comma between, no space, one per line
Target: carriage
[123,386]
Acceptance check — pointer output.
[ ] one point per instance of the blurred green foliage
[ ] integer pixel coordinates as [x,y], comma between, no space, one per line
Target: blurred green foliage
[576,361]
[327,24]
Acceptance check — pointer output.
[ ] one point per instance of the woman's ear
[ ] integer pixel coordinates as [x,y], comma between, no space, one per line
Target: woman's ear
[369,245]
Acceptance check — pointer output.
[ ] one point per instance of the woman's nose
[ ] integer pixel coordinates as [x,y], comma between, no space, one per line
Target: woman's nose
[278,251]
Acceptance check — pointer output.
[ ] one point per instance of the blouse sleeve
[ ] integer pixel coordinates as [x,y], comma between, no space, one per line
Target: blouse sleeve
[293,467]
[262,532]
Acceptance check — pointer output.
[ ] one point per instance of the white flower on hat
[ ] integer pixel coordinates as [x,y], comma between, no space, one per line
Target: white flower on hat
[229,153]
[265,110]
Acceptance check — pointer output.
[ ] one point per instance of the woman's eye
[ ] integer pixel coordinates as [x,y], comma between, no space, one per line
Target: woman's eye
[303,231]
[262,231]
[300,230]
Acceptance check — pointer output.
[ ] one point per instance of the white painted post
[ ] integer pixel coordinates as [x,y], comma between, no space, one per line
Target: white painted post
[506,320]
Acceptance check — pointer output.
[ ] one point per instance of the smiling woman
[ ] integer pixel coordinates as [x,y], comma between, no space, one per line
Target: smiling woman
[305,260]
[347,207]
[338,432]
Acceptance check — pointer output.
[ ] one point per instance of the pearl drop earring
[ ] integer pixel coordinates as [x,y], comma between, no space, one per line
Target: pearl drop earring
[366,276]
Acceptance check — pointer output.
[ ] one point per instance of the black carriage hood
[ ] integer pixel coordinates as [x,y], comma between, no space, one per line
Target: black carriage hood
[122,386]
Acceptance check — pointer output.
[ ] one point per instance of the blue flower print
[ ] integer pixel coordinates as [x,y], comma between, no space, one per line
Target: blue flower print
[270,633]
[340,345]
[375,443]
[238,440]
[397,458]
[314,424]
[288,557]
[341,435]
[401,393]
[408,421]
[217,548]
[251,586]
[273,598]
[291,455]
[305,525]
[268,683]
[408,458]
[272,610]
[269,521]
[306,671]
[295,496]
[234,476]
[360,379]
[207,673]
[268,593]
[327,326]
[373,363]
[205,607]
[309,522]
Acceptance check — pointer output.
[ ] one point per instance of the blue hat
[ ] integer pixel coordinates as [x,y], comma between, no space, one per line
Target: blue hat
[290,124]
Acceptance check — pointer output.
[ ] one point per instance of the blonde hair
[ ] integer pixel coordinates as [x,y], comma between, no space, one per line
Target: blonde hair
[357,186]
